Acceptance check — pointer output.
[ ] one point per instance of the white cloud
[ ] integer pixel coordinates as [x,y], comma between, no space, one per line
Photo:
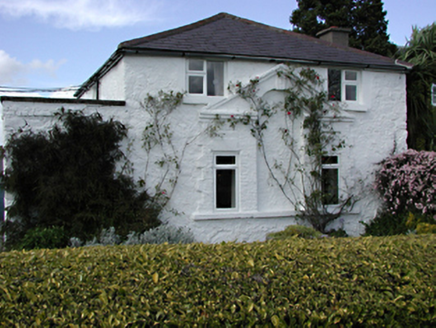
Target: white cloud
[49,67]
[10,69]
[13,72]
[84,14]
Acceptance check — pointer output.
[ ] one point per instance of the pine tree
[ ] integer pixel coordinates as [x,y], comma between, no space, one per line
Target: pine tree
[366,18]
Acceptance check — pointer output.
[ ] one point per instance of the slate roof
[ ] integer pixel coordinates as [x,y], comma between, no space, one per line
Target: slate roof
[228,35]
[225,34]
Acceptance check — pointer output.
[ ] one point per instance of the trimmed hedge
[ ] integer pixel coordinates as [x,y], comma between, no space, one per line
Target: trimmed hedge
[366,281]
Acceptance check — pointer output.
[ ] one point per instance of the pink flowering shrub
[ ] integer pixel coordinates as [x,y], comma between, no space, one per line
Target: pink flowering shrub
[407,182]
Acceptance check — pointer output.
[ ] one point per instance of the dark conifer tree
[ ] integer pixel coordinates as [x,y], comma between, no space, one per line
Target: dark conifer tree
[366,18]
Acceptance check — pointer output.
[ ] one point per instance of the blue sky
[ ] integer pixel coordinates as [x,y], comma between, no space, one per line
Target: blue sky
[59,43]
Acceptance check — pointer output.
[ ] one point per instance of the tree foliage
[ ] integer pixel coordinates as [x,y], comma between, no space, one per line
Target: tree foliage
[420,51]
[67,178]
[366,18]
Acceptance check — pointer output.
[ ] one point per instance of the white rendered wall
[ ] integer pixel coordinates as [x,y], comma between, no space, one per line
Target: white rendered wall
[371,129]
[110,86]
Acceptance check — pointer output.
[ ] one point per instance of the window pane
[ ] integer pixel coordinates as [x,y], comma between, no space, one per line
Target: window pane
[215,78]
[225,160]
[225,188]
[433,92]
[330,186]
[330,160]
[334,84]
[196,65]
[350,76]
[196,84]
[351,92]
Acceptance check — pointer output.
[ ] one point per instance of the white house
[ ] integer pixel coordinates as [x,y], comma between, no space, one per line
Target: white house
[224,189]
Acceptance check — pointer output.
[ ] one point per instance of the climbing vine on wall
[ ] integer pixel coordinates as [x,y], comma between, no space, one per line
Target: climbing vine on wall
[306,132]
[159,142]
[306,112]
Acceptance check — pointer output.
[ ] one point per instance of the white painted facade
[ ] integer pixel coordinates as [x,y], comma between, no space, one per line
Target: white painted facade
[374,126]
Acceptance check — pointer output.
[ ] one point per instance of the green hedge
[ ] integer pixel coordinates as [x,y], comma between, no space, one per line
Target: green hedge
[367,281]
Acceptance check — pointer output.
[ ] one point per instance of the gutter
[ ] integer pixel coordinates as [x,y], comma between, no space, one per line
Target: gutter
[106,67]
[117,103]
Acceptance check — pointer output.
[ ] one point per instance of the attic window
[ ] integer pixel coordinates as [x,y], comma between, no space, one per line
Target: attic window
[205,77]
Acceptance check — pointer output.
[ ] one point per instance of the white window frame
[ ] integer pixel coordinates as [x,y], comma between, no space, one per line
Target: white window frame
[235,168]
[433,94]
[347,82]
[332,166]
[203,74]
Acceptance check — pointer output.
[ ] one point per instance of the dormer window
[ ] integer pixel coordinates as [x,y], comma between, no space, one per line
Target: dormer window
[205,77]
[343,85]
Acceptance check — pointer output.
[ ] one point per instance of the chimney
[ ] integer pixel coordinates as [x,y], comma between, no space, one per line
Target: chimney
[336,35]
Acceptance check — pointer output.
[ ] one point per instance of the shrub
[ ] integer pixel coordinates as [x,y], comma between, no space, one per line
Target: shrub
[406,182]
[107,237]
[53,237]
[387,224]
[67,177]
[422,228]
[162,234]
[330,282]
[337,233]
[295,231]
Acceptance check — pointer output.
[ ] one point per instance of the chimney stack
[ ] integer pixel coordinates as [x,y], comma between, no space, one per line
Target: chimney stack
[336,35]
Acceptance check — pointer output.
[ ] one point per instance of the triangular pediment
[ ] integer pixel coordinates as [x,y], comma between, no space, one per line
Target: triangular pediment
[269,83]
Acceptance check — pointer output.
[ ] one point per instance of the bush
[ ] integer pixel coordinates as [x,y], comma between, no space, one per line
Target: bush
[53,237]
[327,282]
[162,234]
[337,233]
[108,237]
[294,231]
[387,224]
[423,228]
[67,177]
[406,182]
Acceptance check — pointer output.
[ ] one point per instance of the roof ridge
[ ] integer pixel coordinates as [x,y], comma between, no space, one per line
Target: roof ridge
[180,29]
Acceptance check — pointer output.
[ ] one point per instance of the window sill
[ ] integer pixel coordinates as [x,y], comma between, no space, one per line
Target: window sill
[258,215]
[242,215]
[354,107]
[201,99]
